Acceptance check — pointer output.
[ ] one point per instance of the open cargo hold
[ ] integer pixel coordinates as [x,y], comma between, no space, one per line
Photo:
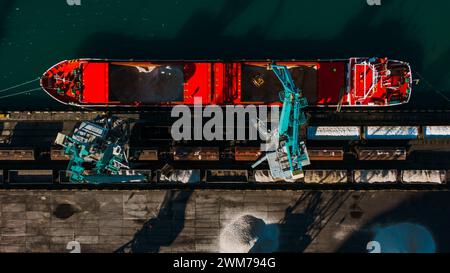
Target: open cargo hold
[142,154]
[325,176]
[316,154]
[30,176]
[381,153]
[424,176]
[181,176]
[391,132]
[226,176]
[333,133]
[432,132]
[16,154]
[247,153]
[375,176]
[196,153]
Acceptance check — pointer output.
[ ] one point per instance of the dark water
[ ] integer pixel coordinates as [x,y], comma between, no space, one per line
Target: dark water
[36,34]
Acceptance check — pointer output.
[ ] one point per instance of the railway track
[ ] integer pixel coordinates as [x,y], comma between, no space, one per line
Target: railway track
[28,159]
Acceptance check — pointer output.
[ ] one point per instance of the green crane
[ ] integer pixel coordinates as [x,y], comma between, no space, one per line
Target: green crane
[286,154]
[97,153]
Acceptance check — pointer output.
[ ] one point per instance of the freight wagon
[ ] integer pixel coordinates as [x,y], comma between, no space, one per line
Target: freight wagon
[424,176]
[375,176]
[391,132]
[382,153]
[323,154]
[16,154]
[377,132]
[334,133]
[196,153]
[325,176]
[433,132]
[142,154]
[30,176]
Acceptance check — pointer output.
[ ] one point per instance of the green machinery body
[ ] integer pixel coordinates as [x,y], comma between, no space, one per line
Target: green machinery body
[97,153]
[288,154]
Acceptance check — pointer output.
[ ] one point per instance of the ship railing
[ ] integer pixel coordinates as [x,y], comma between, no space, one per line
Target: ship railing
[374,79]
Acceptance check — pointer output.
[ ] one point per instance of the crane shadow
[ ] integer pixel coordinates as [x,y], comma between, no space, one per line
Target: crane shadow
[302,222]
[163,229]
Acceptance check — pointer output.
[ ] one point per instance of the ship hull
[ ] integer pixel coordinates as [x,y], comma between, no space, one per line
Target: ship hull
[355,82]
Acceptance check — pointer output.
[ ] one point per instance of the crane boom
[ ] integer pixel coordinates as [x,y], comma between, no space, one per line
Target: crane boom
[288,154]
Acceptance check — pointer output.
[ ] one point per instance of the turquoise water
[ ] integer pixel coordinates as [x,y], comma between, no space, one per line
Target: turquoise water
[37,34]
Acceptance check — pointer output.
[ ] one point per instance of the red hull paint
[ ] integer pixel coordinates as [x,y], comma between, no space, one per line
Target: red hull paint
[95,82]
[353,82]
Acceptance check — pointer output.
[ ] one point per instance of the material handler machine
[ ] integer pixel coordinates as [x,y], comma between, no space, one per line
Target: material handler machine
[97,151]
[285,153]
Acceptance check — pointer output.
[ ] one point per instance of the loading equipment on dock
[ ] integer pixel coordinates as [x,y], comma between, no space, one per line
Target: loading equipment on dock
[97,148]
[285,153]
[97,151]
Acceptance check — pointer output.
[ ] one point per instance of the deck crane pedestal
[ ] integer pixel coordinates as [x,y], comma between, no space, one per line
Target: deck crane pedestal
[97,152]
[285,154]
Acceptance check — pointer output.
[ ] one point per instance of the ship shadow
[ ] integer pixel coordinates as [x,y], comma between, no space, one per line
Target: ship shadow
[203,37]
[163,229]
[428,210]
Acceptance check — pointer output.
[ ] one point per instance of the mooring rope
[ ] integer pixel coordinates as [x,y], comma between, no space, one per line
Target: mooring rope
[432,87]
[18,85]
[20,93]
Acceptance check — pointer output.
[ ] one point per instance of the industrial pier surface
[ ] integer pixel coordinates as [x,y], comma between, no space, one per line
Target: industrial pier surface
[193,221]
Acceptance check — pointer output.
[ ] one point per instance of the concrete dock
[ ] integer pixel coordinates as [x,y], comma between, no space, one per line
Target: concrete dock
[193,221]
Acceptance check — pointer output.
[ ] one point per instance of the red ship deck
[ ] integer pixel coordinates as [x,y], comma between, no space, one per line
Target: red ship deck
[95,82]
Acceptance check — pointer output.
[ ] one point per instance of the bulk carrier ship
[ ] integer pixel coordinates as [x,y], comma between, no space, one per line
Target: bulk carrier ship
[363,82]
